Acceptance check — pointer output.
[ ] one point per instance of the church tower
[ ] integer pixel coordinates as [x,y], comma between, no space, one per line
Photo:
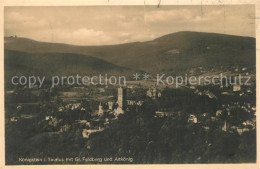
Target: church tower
[121,98]
[121,101]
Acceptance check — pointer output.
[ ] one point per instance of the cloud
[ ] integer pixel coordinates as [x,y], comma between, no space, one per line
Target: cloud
[97,37]
[15,17]
[119,24]
[81,36]
[182,15]
[18,21]
[124,34]
[166,15]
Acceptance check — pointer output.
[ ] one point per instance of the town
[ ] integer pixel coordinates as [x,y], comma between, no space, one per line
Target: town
[86,112]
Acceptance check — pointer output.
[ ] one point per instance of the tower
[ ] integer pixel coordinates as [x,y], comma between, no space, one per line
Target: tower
[100,110]
[121,98]
[121,101]
[110,105]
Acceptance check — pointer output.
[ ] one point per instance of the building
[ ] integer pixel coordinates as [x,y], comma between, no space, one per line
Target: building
[118,108]
[49,118]
[192,119]
[121,98]
[251,123]
[163,114]
[218,113]
[14,119]
[210,94]
[153,93]
[192,87]
[244,68]
[241,130]
[87,132]
[236,88]
[111,105]
[121,101]
[100,110]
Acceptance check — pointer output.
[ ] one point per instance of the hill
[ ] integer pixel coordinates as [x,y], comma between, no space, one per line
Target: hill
[50,64]
[171,52]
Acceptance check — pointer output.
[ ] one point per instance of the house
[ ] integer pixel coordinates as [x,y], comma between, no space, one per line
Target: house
[64,128]
[75,106]
[82,109]
[236,88]
[251,123]
[87,132]
[205,114]
[48,118]
[192,87]
[244,68]
[61,109]
[159,114]
[218,113]
[206,128]
[14,119]
[101,90]
[192,119]
[198,92]
[226,93]
[111,105]
[213,118]
[240,131]
[154,93]
[210,95]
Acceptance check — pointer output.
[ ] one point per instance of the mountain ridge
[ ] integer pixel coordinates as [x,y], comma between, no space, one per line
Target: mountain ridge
[168,53]
[25,38]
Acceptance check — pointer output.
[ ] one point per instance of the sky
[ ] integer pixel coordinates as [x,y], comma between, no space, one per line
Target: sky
[106,25]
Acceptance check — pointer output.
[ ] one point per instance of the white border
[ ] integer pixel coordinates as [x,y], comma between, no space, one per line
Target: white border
[4,3]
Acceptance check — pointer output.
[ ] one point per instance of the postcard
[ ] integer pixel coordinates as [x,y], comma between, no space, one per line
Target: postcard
[129,83]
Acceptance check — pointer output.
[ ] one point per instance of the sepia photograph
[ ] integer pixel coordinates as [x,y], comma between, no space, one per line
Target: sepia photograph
[130,84]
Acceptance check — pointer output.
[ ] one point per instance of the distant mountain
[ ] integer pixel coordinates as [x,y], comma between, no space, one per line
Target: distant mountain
[171,52]
[50,64]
